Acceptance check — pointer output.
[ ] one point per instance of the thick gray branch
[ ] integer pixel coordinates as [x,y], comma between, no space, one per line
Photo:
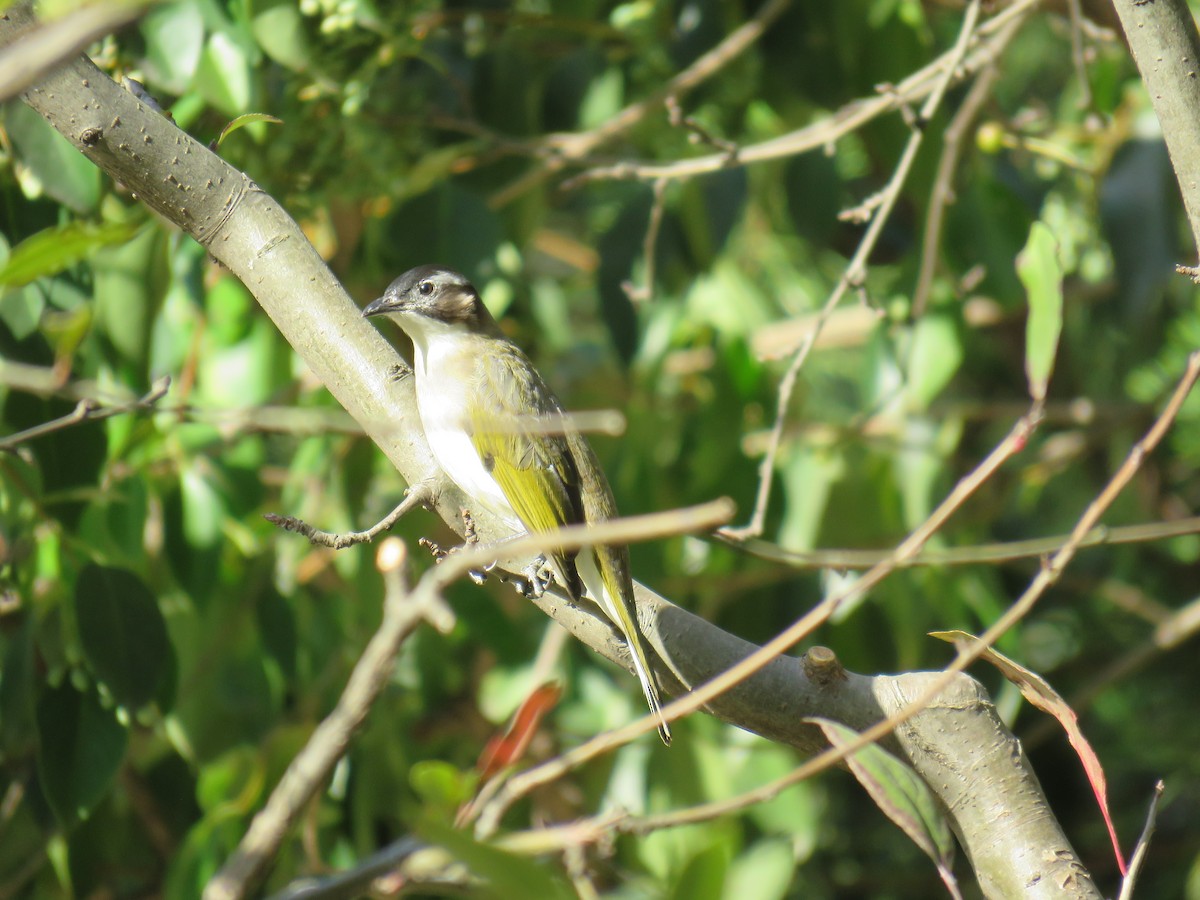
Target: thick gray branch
[958,746]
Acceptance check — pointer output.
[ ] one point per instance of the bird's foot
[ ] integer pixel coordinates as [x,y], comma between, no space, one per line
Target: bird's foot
[479,576]
[538,576]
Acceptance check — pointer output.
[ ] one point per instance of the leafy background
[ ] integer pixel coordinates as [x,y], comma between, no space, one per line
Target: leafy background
[165,652]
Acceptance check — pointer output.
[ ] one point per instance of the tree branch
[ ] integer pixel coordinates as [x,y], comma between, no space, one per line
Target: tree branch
[1166,47]
[250,234]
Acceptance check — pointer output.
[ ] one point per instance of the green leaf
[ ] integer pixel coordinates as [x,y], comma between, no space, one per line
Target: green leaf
[704,875]
[243,121]
[174,34]
[53,249]
[504,874]
[440,785]
[80,748]
[61,171]
[279,30]
[936,355]
[123,634]
[21,310]
[129,285]
[17,685]
[763,872]
[223,76]
[203,509]
[1041,273]
[899,793]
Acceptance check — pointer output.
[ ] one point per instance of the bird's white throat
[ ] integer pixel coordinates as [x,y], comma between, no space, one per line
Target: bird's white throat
[445,361]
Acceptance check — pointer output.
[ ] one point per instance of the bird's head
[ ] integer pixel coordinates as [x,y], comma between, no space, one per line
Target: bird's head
[432,300]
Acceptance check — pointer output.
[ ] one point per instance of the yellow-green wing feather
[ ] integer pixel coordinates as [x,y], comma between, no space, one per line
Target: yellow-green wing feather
[517,429]
[551,477]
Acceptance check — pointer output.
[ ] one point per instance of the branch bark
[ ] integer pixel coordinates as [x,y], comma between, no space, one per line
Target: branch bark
[1166,47]
[254,237]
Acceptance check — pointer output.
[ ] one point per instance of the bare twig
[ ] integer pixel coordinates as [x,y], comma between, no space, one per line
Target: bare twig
[88,410]
[649,247]
[1078,56]
[355,882]
[698,134]
[849,118]
[942,193]
[633,529]
[1008,551]
[576,146]
[1143,844]
[854,275]
[416,495]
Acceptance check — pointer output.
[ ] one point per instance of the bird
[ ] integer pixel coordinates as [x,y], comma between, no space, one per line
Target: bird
[498,432]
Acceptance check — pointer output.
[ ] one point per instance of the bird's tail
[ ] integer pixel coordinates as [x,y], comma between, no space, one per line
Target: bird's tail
[618,605]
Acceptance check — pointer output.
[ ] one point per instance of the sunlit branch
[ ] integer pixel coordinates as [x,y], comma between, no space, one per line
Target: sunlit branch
[548,771]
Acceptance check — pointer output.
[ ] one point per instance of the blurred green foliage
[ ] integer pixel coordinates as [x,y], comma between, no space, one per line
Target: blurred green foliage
[165,652]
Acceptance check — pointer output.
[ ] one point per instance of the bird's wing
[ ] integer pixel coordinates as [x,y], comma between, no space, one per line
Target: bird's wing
[524,446]
[552,478]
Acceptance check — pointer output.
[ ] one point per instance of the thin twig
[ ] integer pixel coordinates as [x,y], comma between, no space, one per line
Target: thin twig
[354,882]
[851,117]
[88,410]
[1143,844]
[630,530]
[576,146]
[697,133]
[854,275]
[417,495]
[942,193]
[1077,54]
[649,247]
[1002,552]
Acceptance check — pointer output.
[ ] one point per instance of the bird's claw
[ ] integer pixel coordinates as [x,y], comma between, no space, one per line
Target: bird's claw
[538,576]
[479,576]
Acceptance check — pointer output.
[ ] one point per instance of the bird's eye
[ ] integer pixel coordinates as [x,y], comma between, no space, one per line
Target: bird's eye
[425,287]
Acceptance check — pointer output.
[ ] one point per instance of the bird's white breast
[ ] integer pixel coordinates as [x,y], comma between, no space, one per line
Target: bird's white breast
[446,386]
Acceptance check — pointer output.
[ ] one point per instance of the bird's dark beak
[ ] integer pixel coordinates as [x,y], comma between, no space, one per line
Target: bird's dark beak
[375,307]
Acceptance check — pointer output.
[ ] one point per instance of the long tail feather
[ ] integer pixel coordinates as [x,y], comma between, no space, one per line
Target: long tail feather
[621,611]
